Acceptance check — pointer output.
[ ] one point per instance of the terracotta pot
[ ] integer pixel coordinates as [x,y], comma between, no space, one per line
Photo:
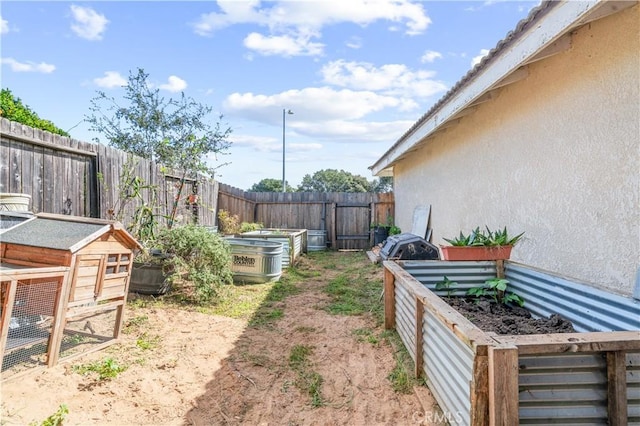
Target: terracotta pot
[476,252]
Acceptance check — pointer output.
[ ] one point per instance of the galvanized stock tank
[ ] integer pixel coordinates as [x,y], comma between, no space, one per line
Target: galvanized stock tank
[316,239]
[255,261]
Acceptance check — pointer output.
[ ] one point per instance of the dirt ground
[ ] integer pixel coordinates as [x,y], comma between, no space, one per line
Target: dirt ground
[202,369]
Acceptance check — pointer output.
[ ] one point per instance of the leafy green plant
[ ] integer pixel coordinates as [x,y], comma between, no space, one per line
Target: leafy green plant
[478,237]
[394,230]
[106,369]
[250,226]
[199,261]
[229,224]
[56,419]
[496,289]
[447,285]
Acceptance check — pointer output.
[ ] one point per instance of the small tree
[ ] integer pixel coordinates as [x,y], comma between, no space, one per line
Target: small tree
[13,109]
[269,185]
[331,180]
[174,133]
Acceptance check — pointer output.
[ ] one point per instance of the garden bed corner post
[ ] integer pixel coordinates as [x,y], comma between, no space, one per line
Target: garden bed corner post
[389,300]
[503,385]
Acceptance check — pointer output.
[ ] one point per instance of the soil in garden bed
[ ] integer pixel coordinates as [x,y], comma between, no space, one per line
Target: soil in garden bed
[505,319]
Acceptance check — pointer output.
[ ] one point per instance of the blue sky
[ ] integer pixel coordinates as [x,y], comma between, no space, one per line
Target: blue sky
[356,73]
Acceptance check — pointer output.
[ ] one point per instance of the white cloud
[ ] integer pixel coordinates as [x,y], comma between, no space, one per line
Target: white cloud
[174,85]
[272,144]
[88,24]
[313,103]
[476,59]
[390,79]
[4,26]
[16,66]
[430,56]
[282,45]
[354,43]
[110,80]
[292,25]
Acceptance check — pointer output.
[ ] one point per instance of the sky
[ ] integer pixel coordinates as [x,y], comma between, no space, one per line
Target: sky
[356,74]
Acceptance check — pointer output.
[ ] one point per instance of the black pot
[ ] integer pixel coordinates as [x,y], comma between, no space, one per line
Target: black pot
[380,234]
[148,278]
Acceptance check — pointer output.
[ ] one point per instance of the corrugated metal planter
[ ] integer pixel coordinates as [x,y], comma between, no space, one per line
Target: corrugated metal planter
[294,242]
[588,377]
[255,261]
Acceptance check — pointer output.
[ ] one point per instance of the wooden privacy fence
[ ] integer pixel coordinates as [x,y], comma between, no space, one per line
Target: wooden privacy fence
[345,216]
[71,177]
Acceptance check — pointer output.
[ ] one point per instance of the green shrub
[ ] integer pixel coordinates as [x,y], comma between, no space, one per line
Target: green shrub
[200,262]
[250,226]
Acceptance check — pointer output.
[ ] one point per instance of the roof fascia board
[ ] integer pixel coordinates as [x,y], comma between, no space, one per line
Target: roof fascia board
[545,31]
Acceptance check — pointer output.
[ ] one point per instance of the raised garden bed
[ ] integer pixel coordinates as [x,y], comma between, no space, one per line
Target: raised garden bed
[591,376]
[294,242]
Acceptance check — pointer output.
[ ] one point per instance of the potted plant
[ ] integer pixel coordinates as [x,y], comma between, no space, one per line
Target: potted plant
[480,245]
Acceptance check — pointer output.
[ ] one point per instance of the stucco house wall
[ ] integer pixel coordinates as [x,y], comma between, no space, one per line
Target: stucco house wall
[556,155]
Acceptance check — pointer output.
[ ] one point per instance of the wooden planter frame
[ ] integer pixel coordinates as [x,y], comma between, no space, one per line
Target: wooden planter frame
[490,369]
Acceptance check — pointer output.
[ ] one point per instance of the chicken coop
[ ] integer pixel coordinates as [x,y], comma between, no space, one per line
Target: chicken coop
[63,288]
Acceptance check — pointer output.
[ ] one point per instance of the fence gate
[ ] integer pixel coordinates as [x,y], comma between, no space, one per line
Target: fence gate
[352,223]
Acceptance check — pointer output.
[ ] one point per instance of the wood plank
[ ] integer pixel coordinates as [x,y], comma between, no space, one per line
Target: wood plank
[57,328]
[49,179]
[389,300]
[419,337]
[617,388]
[10,288]
[575,342]
[15,168]
[479,389]
[5,148]
[503,385]
[37,194]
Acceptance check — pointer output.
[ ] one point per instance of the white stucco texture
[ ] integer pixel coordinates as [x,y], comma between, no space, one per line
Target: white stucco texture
[555,155]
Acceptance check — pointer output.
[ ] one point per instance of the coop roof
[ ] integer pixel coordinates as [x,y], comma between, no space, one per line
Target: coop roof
[64,232]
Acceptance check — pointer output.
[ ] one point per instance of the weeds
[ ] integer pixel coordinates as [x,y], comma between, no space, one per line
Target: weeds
[308,380]
[106,369]
[56,419]
[146,342]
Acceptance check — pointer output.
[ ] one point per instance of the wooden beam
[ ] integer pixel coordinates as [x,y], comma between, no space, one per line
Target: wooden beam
[389,300]
[503,385]
[59,320]
[7,309]
[419,370]
[617,388]
[479,389]
[517,75]
[575,342]
[560,45]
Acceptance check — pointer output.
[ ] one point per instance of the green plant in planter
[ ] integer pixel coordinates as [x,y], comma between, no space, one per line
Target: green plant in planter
[199,261]
[394,230]
[479,237]
[496,289]
[447,285]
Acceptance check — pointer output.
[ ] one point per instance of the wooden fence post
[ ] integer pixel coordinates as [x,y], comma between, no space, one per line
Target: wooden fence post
[389,300]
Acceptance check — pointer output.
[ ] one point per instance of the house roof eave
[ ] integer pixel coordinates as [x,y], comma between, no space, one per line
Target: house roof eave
[545,31]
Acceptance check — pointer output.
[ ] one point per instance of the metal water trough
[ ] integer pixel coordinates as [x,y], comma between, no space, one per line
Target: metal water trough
[255,261]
